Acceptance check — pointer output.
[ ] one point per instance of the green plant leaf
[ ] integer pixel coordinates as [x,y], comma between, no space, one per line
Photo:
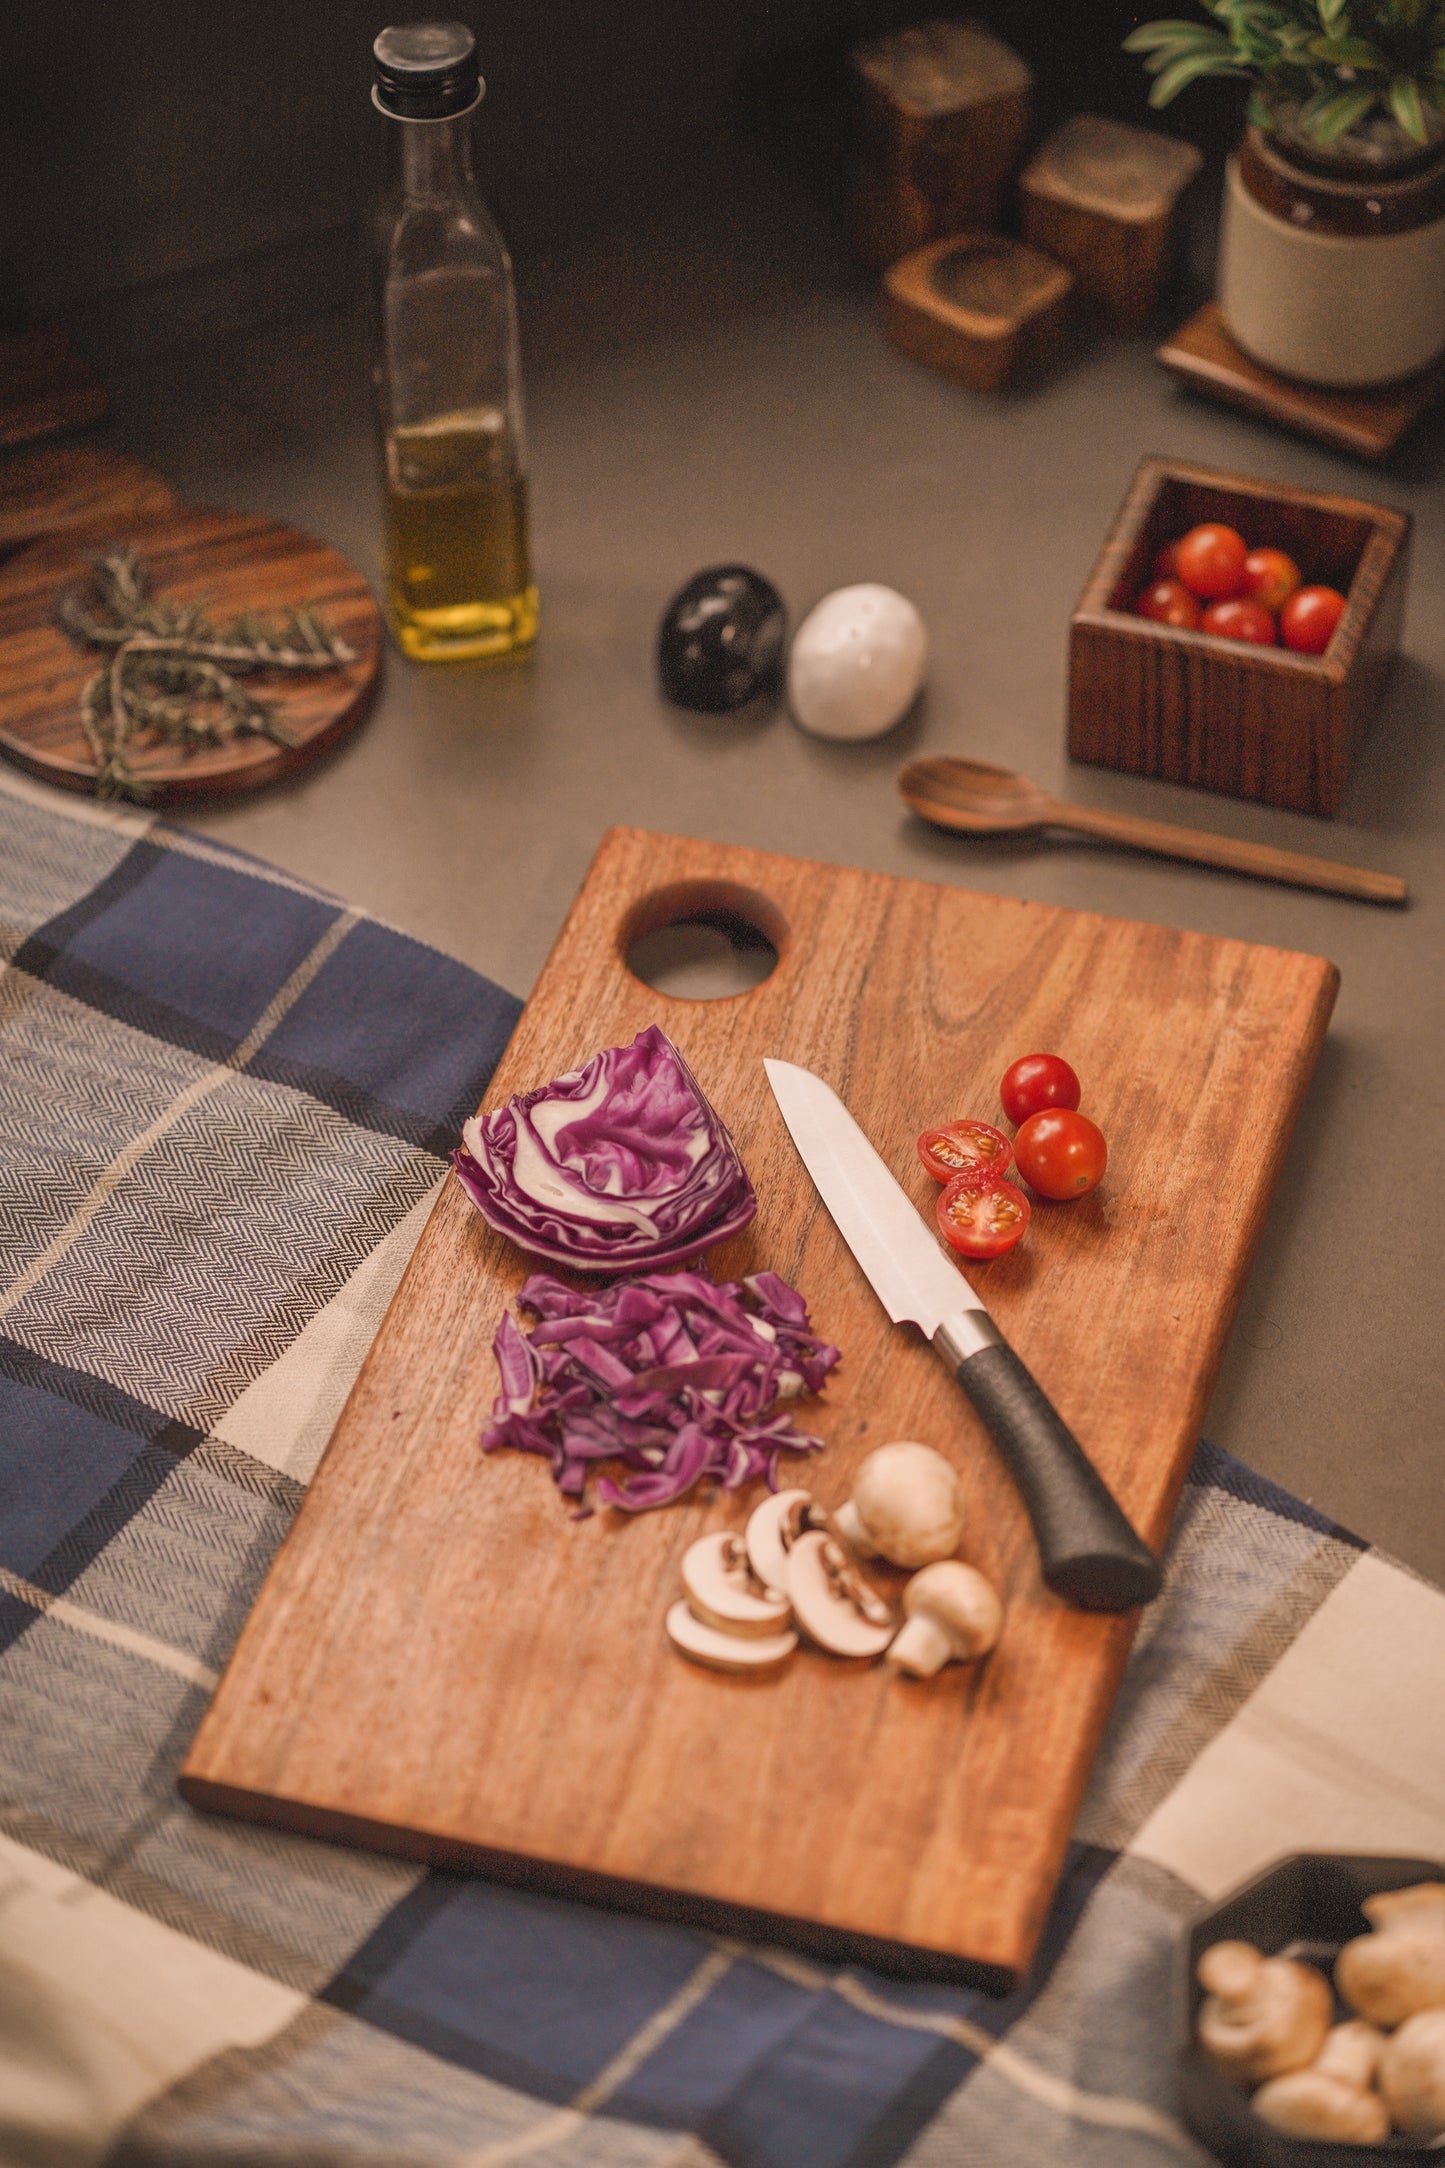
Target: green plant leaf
[1331,12]
[1174,78]
[1407,109]
[1342,52]
[1172,37]
[1327,118]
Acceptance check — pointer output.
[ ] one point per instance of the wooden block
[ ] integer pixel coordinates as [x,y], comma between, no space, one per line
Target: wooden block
[977,307]
[1255,722]
[443,1663]
[74,485]
[45,386]
[941,118]
[1368,423]
[1103,198]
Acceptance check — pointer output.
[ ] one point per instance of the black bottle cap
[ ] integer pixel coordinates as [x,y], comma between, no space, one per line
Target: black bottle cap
[426,71]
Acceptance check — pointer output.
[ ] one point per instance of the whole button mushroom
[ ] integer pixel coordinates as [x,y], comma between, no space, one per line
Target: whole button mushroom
[1388,1975]
[907,1506]
[953,1616]
[1261,2015]
[721,639]
[1311,2104]
[1412,2075]
[831,1603]
[857,663]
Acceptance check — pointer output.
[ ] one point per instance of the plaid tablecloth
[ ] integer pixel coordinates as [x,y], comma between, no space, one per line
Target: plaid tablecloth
[224,1104]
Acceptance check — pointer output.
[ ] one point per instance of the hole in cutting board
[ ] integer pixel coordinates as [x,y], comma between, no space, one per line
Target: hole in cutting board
[703,940]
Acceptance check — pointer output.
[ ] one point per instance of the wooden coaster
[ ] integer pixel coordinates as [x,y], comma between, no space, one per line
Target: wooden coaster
[1368,423]
[45,386]
[976,306]
[57,486]
[235,564]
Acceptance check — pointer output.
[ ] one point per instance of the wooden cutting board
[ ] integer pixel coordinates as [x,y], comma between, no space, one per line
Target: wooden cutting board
[443,1664]
[236,564]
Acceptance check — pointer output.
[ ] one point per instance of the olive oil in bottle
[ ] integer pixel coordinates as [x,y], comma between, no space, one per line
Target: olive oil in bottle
[456,509]
[448,379]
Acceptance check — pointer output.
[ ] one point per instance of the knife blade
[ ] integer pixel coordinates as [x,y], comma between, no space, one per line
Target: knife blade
[1088,1552]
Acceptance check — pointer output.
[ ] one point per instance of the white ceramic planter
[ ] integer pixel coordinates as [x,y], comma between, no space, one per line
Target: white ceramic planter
[1336,309]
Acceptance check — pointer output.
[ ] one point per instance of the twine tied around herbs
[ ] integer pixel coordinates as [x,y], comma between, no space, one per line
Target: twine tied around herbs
[172,676]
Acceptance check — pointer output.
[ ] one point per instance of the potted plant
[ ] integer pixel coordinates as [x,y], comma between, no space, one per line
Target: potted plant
[1332,247]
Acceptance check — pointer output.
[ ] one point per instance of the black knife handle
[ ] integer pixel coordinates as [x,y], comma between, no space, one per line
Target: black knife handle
[1089,1553]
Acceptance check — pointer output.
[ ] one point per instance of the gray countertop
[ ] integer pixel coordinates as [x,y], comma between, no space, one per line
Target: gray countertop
[715,385]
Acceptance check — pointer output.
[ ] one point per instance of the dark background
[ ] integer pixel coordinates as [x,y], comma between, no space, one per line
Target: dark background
[174,167]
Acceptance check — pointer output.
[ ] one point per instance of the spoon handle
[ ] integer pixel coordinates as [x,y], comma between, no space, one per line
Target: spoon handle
[1260,859]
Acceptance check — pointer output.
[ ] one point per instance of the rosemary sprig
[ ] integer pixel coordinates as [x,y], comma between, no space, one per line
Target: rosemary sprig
[172,676]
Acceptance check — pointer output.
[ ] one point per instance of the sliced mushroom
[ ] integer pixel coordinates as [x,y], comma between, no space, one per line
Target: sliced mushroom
[907,1506]
[1312,2104]
[726,1651]
[1412,2075]
[718,1583]
[1388,1975]
[953,1616]
[1261,2015]
[773,1528]
[832,1603]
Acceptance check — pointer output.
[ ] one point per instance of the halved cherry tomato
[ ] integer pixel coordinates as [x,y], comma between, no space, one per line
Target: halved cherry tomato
[982,1219]
[1060,1153]
[1169,602]
[1239,617]
[1309,618]
[1211,560]
[1036,1081]
[976,1149]
[1271,577]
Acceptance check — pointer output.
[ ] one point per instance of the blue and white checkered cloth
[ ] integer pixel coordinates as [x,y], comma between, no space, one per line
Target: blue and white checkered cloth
[225,1102]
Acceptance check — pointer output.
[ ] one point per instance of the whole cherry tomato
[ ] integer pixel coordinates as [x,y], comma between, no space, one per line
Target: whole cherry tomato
[1169,602]
[1239,617]
[1036,1081]
[1309,618]
[1211,561]
[976,1149]
[1166,562]
[982,1219]
[1060,1153]
[1271,577]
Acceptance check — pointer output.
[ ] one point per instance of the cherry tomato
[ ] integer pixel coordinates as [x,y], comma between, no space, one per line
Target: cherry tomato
[1271,577]
[1211,561]
[1239,617]
[976,1149]
[1309,618]
[982,1219]
[1060,1153]
[1169,602]
[1166,562]
[1036,1081]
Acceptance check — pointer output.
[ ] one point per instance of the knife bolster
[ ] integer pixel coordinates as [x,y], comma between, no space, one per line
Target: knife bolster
[964,1334]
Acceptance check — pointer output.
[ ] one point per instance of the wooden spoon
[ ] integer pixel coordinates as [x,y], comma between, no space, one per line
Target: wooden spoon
[982,800]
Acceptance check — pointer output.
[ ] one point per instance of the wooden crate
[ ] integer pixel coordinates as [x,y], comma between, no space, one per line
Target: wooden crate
[1254,722]
[1104,199]
[977,306]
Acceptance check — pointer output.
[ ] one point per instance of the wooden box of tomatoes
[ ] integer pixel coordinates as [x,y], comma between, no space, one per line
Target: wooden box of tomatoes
[1226,704]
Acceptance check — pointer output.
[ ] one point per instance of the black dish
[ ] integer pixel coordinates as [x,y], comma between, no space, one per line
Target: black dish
[1309,1906]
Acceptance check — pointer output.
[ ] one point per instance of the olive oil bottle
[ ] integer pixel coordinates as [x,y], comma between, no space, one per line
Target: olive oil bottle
[448,378]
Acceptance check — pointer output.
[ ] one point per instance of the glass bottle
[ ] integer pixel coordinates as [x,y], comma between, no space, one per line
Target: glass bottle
[448,378]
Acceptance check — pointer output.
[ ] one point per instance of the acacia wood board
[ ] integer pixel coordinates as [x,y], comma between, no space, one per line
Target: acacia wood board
[54,486]
[1368,423]
[444,1664]
[238,564]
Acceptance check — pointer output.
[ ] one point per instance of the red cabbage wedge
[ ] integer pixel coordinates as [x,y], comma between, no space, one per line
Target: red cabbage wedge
[618,1165]
[669,1374]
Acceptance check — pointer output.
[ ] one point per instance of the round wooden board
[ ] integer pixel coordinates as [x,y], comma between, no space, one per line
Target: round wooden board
[237,564]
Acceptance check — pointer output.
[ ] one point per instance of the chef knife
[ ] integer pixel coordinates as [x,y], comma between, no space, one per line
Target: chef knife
[1089,1553]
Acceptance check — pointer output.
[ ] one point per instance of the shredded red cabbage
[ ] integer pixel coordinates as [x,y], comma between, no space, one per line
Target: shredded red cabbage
[615,1165]
[670,1373]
